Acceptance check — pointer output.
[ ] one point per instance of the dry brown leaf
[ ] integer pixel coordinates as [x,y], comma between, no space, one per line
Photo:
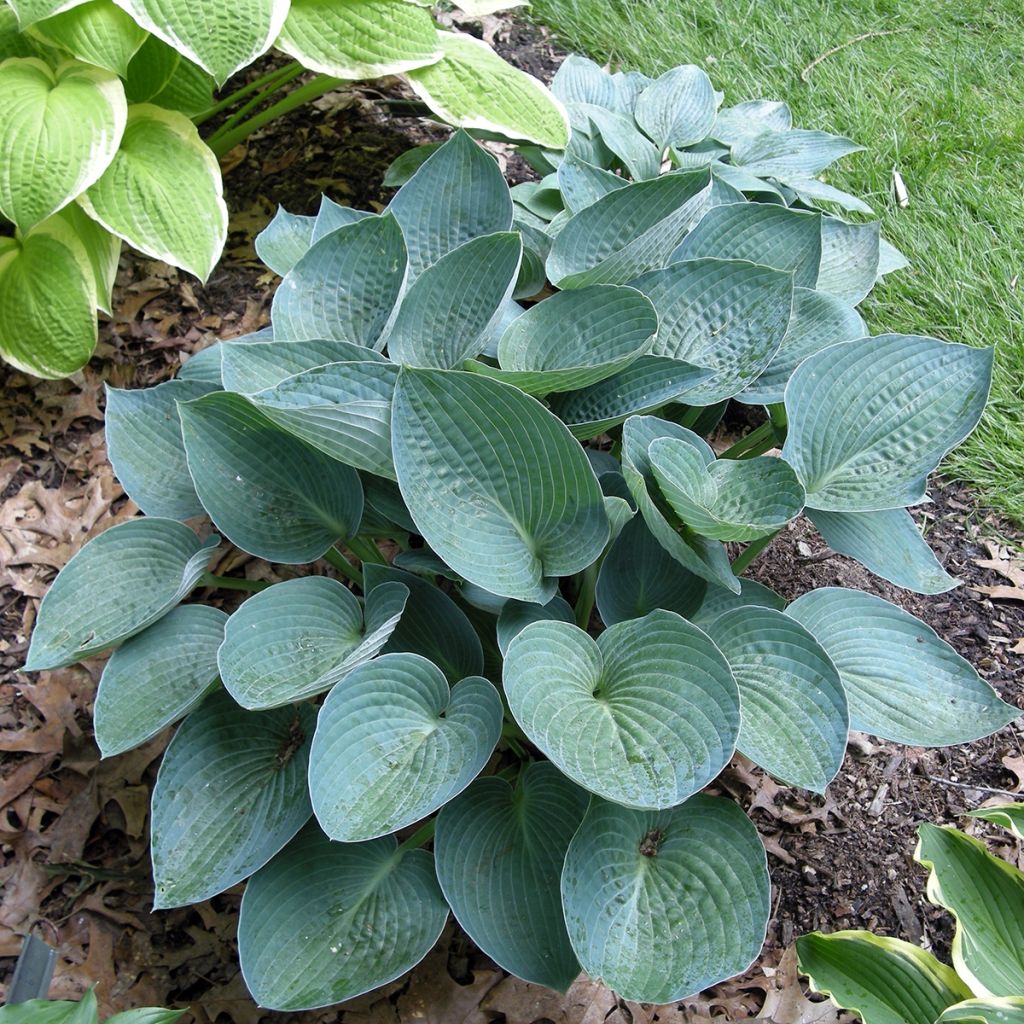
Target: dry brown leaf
[1015,765]
[786,1003]
[434,997]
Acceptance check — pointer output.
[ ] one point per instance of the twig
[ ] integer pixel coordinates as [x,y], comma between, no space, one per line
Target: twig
[849,42]
[978,789]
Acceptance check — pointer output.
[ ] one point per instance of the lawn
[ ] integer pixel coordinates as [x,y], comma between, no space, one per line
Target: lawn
[937,97]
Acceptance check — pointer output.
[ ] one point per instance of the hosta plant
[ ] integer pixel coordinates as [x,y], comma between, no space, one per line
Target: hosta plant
[888,981]
[99,108]
[63,1011]
[560,656]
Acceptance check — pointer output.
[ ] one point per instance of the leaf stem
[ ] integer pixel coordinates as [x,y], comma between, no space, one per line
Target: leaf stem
[366,550]
[757,437]
[232,582]
[585,598]
[751,551]
[419,838]
[779,420]
[261,97]
[343,565]
[690,417]
[232,98]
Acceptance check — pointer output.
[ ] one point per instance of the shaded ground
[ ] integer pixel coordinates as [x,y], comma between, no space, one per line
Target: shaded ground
[73,831]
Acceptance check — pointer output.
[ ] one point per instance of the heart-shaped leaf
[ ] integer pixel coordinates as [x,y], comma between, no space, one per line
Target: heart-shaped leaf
[97,32]
[677,109]
[332,216]
[582,184]
[101,247]
[285,240]
[580,80]
[250,365]
[515,616]
[849,258]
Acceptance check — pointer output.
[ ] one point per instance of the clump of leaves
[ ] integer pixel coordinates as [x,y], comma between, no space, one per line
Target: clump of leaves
[526,464]
[888,981]
[63,1011]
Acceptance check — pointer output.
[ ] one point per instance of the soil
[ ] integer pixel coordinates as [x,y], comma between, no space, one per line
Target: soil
[73,829]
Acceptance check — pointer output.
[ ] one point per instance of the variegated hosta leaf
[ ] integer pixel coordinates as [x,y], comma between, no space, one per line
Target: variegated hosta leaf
[225,764]
[13,41]
[157,677]
[646,715]
[102,248]
[990,1010]
[854,451]
[60,130]
[726,499]
[883,980]
[324,922]
[150,70]
[497,486]
[346,286]
[728,315]
[188,90]
[97,32]
[510,904]
[250,367]
[1010,816]
[515,616]
[162,193]
[794,718]
[118,584]
[849,258]
[472,87]
[663,904]
[220,37]
[395,743]
[300,637]
[903,683]
[285,240]
[359,38]
[751,118]
[718,600]
[677,109]
[795,153]
[31,11]
[271,494]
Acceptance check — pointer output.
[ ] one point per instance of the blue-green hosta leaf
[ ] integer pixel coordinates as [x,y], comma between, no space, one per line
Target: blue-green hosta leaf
[1010,816]
[718,600]
[118,584]
[856,448]
[579,80]
[346,287]
[700,555]
[332,216]
[770,235]
[324,922]
[640,157]
[249,367]
[60,130]
[986,896]
[515,616]
[384,512]
[395,743]
[300,637]
[406,164]
[146,450]
[497,486]
[452,306]
[701,155]
[628,231]
[728,315]
[582,184]
[510,904]
[883,980]
[638,576]
[751,118]
[818,320]
[849,258]
[741,181]
[157,677]
[794,153]
[532,277]
[646,715]
[541,198]
[457,194]
[285,240]
[890,259]
[628,87]
[162,192]
[227,765]
[903,683]
[359,38]
[204,365]
[991,1010]
[663,904]
[889,544]
[813,191]
[677,109]
[471,86]
[272,494]
[794,718]
[222,38]
[97,32]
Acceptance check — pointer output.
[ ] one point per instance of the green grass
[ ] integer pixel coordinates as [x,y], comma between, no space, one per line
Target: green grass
[941,100]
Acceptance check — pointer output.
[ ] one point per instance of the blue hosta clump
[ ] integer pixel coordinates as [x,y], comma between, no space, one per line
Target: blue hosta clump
[561,655]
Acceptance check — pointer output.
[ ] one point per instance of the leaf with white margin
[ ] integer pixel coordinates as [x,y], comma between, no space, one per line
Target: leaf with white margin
[146,450]
[700,555]
[795,153]
[60,129]
[629,231]
[991,1010]
[728,315]
[395,743]
[818,320]
[31,11]
[250,367]
[638,155]
[986,896]
[638,576]
[359,38]
[579,80]
[189,89]
[324,922]
[221,37]
[794,718]
[346,287]
[888,543]
[763,233]
[332,216]
[300,637]
[582,183]
[102,248]
[163,193]
[510,904]
[870,419]
[157,677]
[97,32]
[902,681]
[1010,816]
[661,905]
[47,301]
[449,310]
[285,240]
[883,980]
[646,715]
[150,70]
[751,118]
[515,616]
[273,495]
[677,109]
[226,764]
[718,600]
[496,484]
[849,258]
[13,41]
[472,87]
